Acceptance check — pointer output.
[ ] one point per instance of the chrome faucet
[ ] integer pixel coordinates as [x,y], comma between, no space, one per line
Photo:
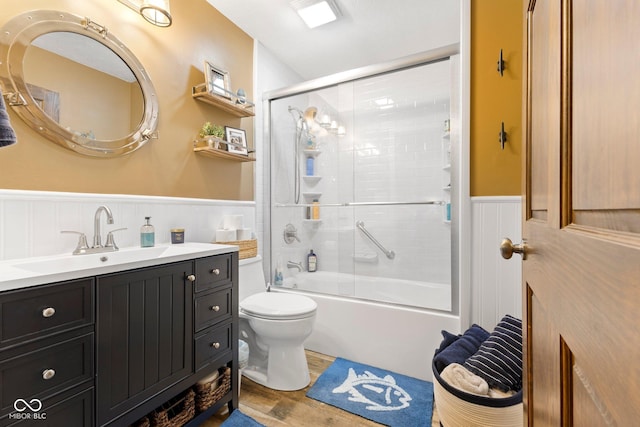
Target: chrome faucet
[110,245]
[97,240]
[298,265]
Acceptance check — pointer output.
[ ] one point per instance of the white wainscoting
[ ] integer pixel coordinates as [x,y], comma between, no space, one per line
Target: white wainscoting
[31,221]
[496,283]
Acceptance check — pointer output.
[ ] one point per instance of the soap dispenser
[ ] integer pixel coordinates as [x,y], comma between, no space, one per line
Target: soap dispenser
[147,234]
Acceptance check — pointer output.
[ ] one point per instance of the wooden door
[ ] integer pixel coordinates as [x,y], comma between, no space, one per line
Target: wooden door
[581,275]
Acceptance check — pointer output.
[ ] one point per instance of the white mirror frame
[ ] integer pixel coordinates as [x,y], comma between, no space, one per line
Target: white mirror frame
[18,34]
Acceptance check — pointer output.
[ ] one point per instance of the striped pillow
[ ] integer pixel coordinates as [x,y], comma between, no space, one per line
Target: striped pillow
[499,359]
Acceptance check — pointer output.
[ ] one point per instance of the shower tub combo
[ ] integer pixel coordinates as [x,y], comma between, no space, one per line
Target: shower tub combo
[364,172]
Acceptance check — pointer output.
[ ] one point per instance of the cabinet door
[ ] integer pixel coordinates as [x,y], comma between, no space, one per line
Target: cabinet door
[144,335]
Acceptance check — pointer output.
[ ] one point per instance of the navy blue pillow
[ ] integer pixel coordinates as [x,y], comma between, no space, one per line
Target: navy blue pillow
[499,359]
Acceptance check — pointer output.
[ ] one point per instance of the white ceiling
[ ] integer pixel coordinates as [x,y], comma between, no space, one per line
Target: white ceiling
[369,32]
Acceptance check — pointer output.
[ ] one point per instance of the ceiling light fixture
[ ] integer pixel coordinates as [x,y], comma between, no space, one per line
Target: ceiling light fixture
[316,12]
[157,12]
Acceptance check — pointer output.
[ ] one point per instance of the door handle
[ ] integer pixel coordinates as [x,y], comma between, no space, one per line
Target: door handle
[507,248]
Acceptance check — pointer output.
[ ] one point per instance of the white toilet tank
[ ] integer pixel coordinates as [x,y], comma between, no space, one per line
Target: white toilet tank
[250,277]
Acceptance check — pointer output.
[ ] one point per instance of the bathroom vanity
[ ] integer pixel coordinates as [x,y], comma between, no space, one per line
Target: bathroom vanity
[107,344]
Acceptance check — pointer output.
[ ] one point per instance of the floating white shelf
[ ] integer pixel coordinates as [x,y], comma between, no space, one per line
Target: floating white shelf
[311,179]
[312,153]
[311,195]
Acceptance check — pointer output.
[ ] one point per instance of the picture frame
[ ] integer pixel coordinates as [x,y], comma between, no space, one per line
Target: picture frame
[217,80]
[239,138]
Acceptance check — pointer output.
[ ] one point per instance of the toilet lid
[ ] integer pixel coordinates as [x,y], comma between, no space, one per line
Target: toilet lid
[278,306]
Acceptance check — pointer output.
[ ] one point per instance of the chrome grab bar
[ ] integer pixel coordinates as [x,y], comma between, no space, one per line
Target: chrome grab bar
[389,254]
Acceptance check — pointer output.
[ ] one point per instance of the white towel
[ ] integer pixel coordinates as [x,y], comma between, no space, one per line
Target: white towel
[461,378]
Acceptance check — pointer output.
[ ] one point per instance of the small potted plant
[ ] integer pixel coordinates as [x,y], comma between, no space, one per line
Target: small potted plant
[213,134]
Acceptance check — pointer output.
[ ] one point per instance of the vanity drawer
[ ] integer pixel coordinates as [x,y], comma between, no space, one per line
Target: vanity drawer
[213,271]
[72,409]
[40,311]
[212,308]
[45,368]
[212,344]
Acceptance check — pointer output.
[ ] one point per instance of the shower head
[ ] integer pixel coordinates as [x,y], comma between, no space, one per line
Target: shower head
[296,110]
[309,115]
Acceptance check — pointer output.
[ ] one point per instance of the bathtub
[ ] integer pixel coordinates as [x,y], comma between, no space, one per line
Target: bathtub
[390,335]
[411,293]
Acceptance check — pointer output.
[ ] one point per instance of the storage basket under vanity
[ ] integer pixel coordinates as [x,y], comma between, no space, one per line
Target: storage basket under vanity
[248,248]
[176,412]
[208,393]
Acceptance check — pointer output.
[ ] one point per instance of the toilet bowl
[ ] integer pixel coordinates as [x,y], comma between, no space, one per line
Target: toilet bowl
[275,326]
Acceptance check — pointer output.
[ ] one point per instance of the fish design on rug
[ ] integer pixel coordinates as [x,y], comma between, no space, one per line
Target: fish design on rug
[380,394]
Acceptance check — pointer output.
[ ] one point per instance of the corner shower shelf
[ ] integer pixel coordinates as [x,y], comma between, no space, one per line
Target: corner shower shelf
[230,105]
[311,179]
[312,195]
[312,153]
[311,221]
[446,167]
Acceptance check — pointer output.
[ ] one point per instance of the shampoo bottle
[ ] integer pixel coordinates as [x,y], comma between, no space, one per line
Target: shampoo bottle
[309,166]
[312,262]
[147,234]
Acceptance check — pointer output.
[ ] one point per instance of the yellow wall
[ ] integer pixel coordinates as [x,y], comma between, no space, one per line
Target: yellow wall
[495,25]
[174,59]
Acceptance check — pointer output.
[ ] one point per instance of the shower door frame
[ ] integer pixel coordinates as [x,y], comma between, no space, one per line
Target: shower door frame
[460,199]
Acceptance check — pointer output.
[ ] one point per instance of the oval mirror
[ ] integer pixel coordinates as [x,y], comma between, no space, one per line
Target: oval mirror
[76,84]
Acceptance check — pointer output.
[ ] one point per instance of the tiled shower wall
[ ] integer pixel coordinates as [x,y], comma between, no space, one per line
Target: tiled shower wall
[31,221]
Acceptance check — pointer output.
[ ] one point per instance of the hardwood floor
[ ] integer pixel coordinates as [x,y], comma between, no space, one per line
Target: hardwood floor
[292,408]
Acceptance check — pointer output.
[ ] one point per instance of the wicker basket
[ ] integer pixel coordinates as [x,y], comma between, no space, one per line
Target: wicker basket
[176,412]
[248,248]
[209,393]
[457,408]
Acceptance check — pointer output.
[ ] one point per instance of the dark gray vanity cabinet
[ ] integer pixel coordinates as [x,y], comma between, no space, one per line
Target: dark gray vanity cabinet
[108,350]
[144,336]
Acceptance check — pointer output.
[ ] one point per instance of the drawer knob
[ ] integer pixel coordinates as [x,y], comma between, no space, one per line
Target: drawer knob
[216,271]
[215,345]
[48,312]
[215,307]
[191,278]
[47,374]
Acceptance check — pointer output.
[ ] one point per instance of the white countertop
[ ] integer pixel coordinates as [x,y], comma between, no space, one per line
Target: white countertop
[25,272]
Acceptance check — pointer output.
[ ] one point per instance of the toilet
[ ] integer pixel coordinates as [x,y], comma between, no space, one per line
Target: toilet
[275,326]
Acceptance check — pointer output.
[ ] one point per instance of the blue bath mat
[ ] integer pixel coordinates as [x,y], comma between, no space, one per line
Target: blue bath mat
[376,394]
[238,419]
